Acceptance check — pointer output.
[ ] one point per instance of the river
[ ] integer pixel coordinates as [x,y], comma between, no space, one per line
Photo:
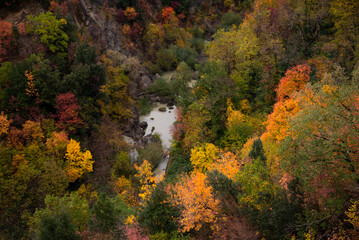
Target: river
[160,122]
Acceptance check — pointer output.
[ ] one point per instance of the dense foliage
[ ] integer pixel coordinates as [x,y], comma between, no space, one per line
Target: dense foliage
[265,144]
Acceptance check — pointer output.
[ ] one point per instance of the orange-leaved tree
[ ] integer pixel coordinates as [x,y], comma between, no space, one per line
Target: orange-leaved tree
[30,89]
[295,79]
[198,206]
[4,124]
[227,163]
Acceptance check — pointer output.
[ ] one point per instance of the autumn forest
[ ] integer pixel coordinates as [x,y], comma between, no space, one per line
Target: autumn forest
[265,141]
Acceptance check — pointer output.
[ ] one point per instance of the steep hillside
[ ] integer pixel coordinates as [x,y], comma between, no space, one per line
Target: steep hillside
[265,141]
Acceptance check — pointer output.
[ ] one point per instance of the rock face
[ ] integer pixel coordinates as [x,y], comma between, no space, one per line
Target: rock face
[102,29]
[100,22]
[97,19]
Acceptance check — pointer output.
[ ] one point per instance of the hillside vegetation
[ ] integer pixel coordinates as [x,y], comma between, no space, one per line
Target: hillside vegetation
[266,142]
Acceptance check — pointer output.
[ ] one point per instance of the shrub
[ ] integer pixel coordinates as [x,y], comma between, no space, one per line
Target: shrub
[130,13]
[186,55]
[166,59]
[154,68]
[153,153]
[122,165]
[161,87]
[197,32]
[145,105]
[229,19]
[197,44]
[57,226]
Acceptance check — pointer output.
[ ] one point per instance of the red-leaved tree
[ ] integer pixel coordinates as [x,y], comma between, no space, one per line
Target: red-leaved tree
[68,112]
[5,39]
[167,12]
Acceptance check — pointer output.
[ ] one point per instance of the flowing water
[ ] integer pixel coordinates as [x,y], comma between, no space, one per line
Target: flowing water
[160,122]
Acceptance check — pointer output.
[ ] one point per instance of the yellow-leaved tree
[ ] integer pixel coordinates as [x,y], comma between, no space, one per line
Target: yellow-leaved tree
[202,156]
[78,162]
[147,180]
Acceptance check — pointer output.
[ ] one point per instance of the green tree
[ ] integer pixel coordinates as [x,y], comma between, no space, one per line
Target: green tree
[57,227]
[237,48]
[321,149]
[5,72]
[117,101]
[195,128]
[159,214]
[257,151]
[182,77]
[346,23]
[47,79]
[50,30]
[75,208]
[105,214]
[231,19]
[258,189]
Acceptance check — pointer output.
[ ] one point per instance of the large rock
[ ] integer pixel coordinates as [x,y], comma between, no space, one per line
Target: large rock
[145,82]
[150,139]
[143,125]
[162,109]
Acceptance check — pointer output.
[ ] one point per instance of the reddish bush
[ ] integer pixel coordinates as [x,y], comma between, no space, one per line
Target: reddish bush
[62,7]
[68,112]
[5,39]
[120,15]
[167,12]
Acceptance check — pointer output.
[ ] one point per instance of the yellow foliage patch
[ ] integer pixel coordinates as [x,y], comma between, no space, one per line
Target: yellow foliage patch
[78,162]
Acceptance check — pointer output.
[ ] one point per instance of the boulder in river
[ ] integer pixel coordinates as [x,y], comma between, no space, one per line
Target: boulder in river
[150,139]
[143,125]
[162,109]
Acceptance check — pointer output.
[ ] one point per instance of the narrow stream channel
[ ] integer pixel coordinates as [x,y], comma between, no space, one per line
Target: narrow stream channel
[160,122]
